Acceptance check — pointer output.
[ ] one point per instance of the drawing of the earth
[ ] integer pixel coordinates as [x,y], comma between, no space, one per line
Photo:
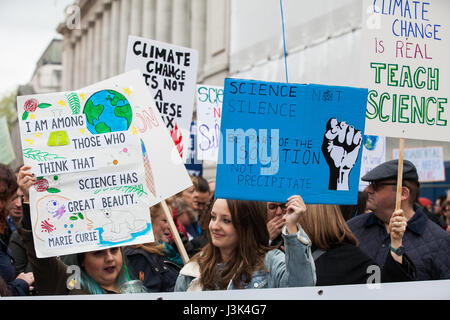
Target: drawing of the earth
[107,111]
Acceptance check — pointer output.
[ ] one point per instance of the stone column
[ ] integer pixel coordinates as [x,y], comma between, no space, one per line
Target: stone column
[105,44]
[97,47]
[77,59]
[89,53]
[198,31]
[148,19]
[136,18]
[83,55]
[67,60]
[114,38]
[163,20]
[123,35]
[180,23]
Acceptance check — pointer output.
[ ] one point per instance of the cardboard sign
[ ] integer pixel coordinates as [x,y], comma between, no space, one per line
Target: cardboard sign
[429,162]
[101,156]
[282,139]
[209,114]
[170,72]
[406,68]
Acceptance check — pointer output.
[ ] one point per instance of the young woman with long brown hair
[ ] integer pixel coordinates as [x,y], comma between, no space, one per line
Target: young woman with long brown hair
[237,255]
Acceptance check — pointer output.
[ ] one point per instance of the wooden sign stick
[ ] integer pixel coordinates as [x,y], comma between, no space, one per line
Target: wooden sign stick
[398,200]
[175,233]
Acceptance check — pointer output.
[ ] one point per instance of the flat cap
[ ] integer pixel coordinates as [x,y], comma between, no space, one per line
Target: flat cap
[389,169]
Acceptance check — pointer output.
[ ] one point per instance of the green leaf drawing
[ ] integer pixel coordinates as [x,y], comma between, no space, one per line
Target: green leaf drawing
[80,215]
[138,189]
[53,190]
[38,155]
[44,105]
[73,218]
[25,115]
[74,102]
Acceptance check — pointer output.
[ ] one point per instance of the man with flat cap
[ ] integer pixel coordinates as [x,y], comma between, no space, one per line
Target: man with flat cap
[425,243]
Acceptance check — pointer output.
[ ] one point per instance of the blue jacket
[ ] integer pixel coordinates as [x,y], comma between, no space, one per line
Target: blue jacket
[426,244]
[18,287]
[294,268]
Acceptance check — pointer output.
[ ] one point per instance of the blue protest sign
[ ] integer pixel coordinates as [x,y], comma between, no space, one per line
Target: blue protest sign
[280,139]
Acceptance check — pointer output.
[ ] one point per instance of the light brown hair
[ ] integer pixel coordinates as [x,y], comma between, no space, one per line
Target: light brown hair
[325,226]
[249,219]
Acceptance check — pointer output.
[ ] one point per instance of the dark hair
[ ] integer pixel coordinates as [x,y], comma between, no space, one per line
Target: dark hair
[202,185]
[8,187]
[4,290]
[350,211]
[414,190]
[249,219]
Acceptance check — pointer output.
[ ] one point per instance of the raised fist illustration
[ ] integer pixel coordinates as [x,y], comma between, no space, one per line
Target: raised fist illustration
[341,144]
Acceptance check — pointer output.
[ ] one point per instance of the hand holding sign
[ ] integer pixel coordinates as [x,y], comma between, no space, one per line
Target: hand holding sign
[341,144]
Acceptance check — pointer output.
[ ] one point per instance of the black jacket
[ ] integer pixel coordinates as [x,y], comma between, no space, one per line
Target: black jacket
[156,272]
[426,244]
[346,264]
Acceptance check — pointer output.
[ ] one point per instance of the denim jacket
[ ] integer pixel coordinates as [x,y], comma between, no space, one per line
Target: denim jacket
[294,268]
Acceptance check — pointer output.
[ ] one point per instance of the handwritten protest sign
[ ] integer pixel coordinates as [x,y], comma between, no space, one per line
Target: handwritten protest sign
[6,149]
[209,112]
[97,154]
[429,162]
[281,139]
[406,68]
[170,72]
[373,154]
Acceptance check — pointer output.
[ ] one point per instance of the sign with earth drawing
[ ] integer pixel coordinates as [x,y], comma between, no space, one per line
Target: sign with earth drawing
[94,167]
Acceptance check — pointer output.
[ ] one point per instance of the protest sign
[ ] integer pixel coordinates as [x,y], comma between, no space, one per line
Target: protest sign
[6,149]
[406,68]
[193,165]
[373,154]
[97,154]
[280,139]
[209,110]
[170,72]
[429,162]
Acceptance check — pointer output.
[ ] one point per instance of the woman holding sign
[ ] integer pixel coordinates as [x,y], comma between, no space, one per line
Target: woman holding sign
[96,272]
[237,255]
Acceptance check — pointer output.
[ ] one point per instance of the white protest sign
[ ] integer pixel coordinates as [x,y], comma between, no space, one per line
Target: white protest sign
[170,72]
[209,112]
[405,65]
[91,183]
[429,162]
[373,154]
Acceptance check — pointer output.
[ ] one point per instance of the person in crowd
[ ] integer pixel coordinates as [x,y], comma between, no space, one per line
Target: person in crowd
[201,196]
[426,244]
[438,207]
[19,284]
[148,262]
[102,271]
[427,206]
[350,211]
[446,214]
[339,260]
[18,251]
[4,290]
[212,189]
[237,255]
[163,235]
[185,215]
[275,222]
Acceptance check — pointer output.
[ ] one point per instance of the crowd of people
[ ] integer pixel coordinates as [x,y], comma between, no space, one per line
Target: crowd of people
[238,244]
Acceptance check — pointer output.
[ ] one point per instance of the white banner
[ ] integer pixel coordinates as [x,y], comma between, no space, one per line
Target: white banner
[429,162]
[209,113]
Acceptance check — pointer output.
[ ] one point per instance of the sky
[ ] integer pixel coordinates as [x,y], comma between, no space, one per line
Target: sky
[26,29]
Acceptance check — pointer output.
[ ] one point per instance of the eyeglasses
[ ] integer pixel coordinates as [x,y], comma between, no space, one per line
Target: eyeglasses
[274,206]
[378,185]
